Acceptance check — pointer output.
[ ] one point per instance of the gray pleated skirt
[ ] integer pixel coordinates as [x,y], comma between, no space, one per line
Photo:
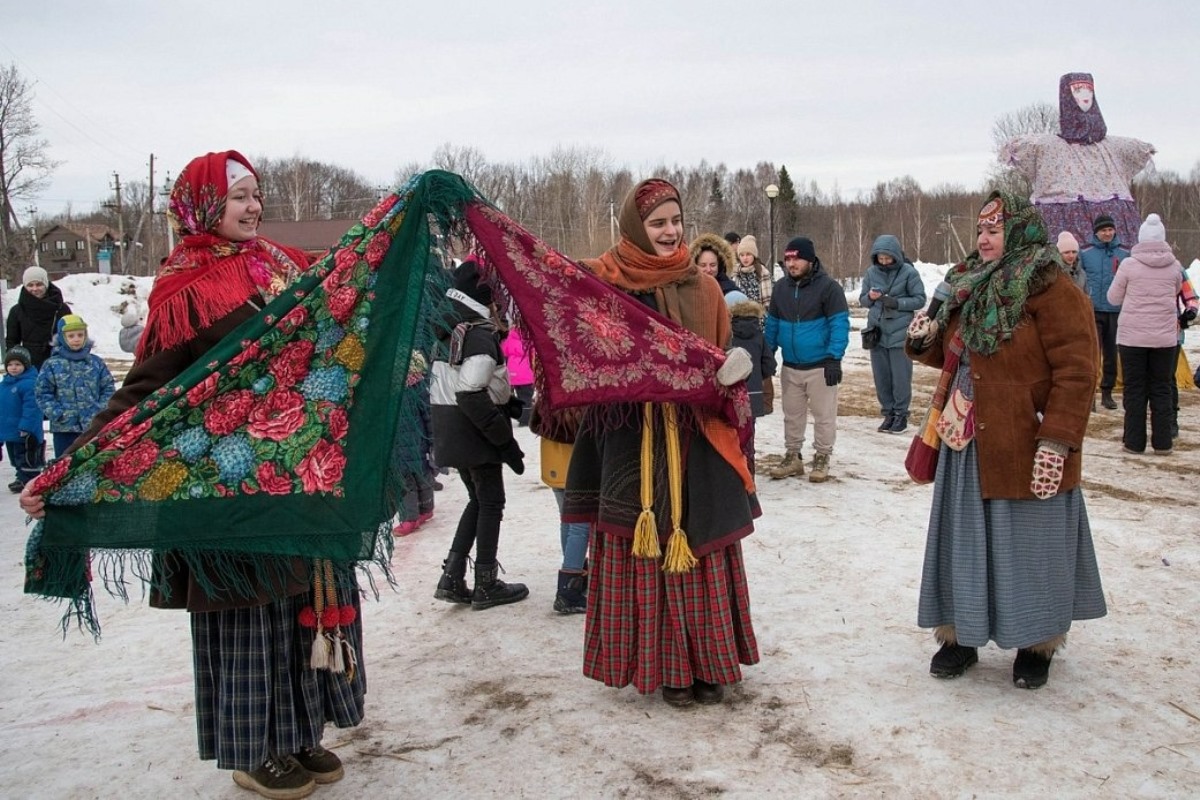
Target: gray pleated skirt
[1016,572]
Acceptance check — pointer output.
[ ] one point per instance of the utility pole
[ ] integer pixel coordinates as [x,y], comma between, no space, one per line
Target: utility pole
[166,192]
[37,259]
[120,221]
[150,235]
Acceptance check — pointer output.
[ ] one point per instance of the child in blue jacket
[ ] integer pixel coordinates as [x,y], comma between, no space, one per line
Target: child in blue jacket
[74,384]
[20,418]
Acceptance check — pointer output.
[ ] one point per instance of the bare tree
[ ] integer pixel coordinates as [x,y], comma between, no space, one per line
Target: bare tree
[1038,117]
[299,188]
[24,165]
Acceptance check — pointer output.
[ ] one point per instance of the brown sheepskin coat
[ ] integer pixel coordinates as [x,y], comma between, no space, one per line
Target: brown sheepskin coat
[1037,385]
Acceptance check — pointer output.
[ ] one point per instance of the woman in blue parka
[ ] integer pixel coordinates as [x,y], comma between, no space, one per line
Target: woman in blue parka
[891,291]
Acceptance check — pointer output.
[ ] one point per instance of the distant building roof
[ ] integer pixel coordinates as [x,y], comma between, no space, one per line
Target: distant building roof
[313,236]
[93,232]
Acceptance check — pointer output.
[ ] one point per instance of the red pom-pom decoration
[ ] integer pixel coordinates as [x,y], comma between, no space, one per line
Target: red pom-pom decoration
[348,615]
[329,618]
[308,617]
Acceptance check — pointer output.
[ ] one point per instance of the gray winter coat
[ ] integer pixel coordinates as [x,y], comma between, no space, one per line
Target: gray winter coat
[899,280]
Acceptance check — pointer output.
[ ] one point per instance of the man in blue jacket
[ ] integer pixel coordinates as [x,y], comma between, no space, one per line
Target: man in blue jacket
[808,318]
[1100,262]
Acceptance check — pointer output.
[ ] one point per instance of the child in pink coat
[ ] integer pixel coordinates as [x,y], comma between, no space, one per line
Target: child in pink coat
[520,371]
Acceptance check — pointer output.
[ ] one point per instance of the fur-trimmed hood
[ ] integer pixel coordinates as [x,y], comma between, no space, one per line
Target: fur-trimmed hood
[711,241]
[747,308]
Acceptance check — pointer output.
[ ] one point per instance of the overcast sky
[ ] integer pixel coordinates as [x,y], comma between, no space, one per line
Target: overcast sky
[841,92]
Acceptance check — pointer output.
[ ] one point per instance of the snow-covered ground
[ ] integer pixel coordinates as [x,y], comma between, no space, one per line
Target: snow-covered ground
[493,704]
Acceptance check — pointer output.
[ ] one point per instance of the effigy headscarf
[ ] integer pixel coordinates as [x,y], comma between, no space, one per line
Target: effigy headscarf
[282,441]
[1077,125]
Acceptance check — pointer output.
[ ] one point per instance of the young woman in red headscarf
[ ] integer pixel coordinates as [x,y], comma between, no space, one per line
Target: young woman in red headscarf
[260,710]
[685,630]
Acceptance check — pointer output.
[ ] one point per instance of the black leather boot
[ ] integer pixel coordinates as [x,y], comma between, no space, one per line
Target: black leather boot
[1106,399]
[491,591]
[572,593]
[452,586]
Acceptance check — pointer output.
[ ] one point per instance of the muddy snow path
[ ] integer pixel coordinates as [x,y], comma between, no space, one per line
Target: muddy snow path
[493,703]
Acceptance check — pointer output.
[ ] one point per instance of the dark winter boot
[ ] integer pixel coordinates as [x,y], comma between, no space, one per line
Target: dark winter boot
[1106,399]
[572,593]
[886,425]
[952,659]
[491,591]
[452,586]
[1031,669]
[900,423]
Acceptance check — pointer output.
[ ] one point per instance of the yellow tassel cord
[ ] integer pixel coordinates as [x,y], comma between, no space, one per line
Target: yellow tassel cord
[645,531]
[336,663]
[320,648]
[679,555]
[351,658]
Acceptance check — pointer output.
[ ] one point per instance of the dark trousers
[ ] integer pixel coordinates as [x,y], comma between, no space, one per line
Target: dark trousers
[524,393]
[28,462]
[479,524]
[1106,331]
[892,370]
[63,440]
[1175,389]
[1148,373]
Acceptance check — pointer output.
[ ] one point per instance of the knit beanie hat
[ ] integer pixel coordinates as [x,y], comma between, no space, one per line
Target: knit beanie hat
[72,322]
[748,245]
[1152,230]
[734,297]
[18,354]
[733,237]
[1067,242]
[801,247]
[1103,221]
[466,280]
[35,275]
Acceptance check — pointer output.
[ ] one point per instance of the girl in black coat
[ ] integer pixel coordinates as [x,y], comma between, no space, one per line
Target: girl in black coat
[472,432]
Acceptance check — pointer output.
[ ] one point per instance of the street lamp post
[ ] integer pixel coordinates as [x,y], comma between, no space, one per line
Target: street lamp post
[166,192]
[772,193]
[37,259]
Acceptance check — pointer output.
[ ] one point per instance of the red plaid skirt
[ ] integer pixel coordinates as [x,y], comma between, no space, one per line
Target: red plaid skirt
[652,629]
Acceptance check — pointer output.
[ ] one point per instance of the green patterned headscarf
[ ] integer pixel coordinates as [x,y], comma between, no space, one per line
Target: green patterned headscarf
[992,294]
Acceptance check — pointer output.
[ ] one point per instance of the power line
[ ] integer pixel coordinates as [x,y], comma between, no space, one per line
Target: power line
[39,81]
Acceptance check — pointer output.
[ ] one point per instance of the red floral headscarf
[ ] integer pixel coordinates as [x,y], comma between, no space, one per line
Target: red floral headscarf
[207,276]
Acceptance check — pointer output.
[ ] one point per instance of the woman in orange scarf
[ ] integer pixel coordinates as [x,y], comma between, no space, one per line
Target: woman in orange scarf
[685,628]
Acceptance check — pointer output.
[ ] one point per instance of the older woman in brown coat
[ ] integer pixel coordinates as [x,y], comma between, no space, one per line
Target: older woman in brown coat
[1009,555]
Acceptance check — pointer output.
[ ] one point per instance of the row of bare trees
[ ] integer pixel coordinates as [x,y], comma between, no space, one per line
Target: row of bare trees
[571,198]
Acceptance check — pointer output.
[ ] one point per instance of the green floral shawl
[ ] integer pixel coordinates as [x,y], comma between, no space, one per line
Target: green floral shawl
[992,295]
